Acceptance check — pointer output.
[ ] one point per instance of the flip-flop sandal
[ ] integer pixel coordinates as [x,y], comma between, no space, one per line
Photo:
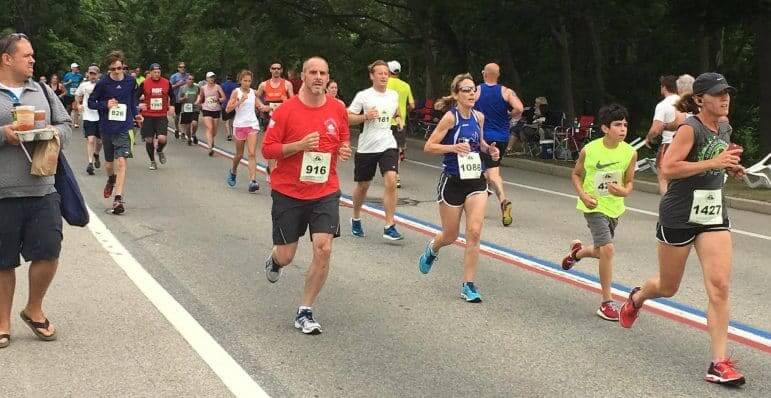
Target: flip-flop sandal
[5,340]
[38,325]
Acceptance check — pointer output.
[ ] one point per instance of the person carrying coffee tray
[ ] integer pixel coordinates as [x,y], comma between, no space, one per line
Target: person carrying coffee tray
[24,197]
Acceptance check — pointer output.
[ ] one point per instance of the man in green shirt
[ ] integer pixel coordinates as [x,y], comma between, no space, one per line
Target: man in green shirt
[405,100]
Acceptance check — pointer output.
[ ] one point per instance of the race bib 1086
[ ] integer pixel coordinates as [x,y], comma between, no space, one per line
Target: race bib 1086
[470,166]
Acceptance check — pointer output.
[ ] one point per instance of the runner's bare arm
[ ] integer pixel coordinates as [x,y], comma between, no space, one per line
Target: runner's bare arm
[577,178]
[656,128]
[289,88]
[675,166]
[260,89]
[513,100]
[433,144]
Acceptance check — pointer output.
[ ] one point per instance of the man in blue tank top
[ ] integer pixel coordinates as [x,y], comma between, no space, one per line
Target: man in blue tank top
[498,103]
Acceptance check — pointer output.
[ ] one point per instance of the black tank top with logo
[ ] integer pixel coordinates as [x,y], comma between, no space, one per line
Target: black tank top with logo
[677,208]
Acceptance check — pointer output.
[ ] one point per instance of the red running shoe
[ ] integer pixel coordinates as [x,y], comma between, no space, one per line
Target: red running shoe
[608,311]
[570,259]
[108,189]
[724,372]
[628,312]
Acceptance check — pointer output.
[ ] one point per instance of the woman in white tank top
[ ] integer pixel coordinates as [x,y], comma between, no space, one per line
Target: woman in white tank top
[245,127]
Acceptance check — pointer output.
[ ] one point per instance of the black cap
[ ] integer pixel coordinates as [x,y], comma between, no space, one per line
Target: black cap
[711,83]
[155,66]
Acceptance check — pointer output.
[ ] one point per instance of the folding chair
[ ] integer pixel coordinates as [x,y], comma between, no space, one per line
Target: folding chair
[555,134]
[645,164]
[759,174]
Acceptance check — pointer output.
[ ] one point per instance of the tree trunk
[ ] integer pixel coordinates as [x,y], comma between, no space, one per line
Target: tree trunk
[702,45]
[561,37]
[763,51]
[598,62]
[510,72]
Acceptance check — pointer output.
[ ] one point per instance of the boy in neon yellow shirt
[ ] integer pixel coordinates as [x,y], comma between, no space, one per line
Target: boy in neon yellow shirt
[603,177]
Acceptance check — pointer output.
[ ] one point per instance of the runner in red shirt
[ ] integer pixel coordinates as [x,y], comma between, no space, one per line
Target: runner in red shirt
[155,97]
[306,135]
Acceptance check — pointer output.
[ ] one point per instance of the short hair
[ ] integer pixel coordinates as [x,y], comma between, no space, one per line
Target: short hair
[115,56]
[305,63]
[685,84]
[9,42]
[611,113]
[669,82]
[379,62]
[244,72]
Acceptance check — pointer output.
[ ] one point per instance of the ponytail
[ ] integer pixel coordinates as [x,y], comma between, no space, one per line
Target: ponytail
[687,104]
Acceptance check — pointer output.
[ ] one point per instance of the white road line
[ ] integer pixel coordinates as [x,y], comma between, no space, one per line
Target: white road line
[235,378]
[632,209]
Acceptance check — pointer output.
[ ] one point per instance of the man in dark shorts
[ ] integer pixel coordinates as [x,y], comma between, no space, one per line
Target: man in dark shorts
[494,101]
[154,97]
[30,219]
[177,80]
[227,87]
[308,133]
[115,99]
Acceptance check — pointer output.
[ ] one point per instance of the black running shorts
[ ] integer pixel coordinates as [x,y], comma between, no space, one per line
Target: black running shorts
[686,236]
[453,191]
[365,164]
[292,217]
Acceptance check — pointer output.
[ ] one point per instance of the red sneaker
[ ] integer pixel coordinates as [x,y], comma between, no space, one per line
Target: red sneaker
[608,311]
[570,259]
[628,312]
[724,372]
[108,189]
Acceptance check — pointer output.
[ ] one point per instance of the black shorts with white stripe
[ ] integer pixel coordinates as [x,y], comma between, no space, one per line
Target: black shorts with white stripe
[453,191]
[685,236]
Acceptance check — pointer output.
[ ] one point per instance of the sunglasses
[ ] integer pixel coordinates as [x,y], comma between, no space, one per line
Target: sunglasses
[117,68]
[181,67]
[274,68]
[91,73]
[467,89]
[12,38]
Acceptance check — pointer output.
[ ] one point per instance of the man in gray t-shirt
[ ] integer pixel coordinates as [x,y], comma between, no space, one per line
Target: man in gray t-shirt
[31,223]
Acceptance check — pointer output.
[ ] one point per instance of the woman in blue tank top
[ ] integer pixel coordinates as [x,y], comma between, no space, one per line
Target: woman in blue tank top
[462,187]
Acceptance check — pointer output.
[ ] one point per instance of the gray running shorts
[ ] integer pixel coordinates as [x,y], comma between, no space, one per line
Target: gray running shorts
[602,227]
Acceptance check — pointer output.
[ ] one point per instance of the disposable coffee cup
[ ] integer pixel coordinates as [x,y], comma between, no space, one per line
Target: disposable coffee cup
[40,119]
[23,117]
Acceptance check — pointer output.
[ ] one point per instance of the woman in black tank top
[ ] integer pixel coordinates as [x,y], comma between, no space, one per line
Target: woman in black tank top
[692,213]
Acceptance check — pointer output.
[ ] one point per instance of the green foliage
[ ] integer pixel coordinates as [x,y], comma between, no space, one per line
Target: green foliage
[616,50]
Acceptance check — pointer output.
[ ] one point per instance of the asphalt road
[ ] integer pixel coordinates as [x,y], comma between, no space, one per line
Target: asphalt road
[388,330]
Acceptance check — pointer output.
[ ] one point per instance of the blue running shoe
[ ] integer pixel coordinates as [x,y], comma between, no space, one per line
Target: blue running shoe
[391,233]
[427,259]
[305,322]
[231,180]
[356,228]
[469,293]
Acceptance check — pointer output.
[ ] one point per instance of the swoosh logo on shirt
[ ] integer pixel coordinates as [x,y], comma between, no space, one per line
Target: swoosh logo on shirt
[601,166]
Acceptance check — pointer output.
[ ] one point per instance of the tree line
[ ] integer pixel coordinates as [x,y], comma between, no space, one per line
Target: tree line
[579,54]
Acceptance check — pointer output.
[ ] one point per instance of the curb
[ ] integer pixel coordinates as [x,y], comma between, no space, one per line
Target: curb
[755,206]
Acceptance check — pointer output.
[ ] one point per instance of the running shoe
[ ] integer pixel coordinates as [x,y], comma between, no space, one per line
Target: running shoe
[108,188]
[230,137]
[162,157]
[272,271]
[628,312]
[427,259]
[608,311]
[189,141]
[724,372]
[506,213]
[211,152]
[176,134]
[153,166]
[390,233]
[356,228]
[305,322]
[231,179]
[469,293]
[90,169]
[195,139]
[118,206]
[254,186]
[97,163]
[570,259]
[398,182]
